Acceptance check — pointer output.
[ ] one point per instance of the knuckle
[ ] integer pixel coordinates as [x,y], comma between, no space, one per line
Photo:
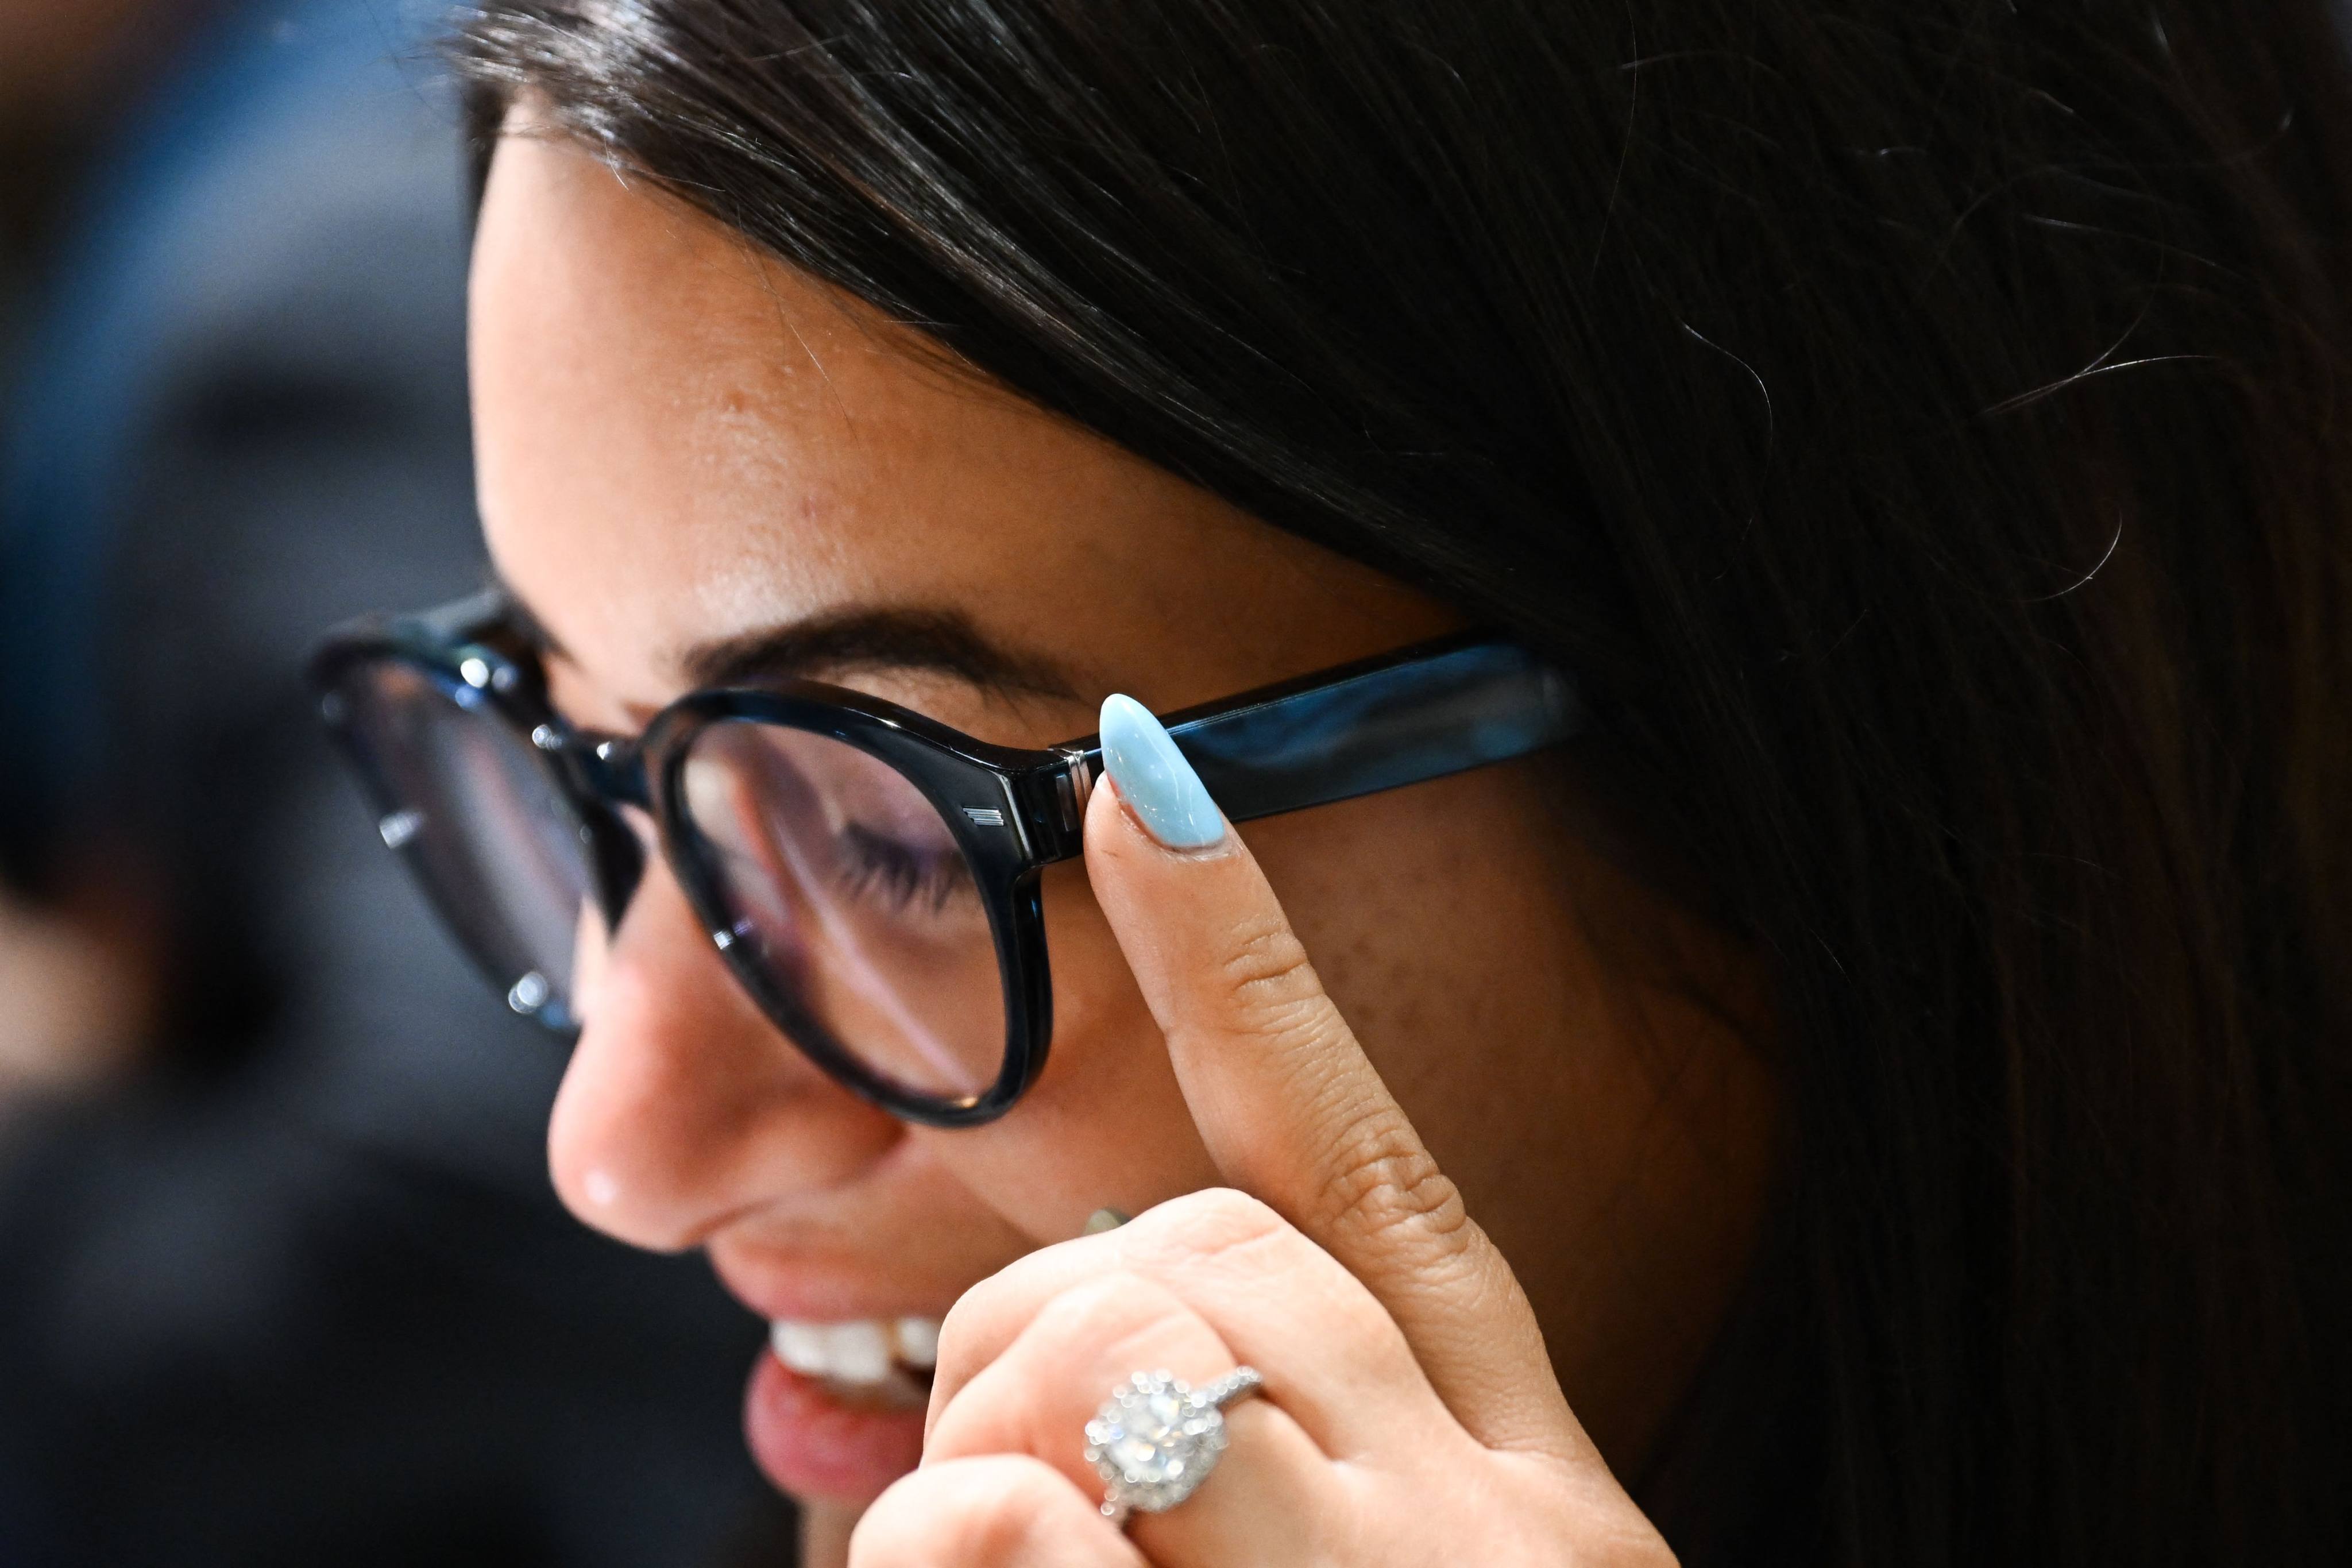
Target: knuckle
[960,1336]
[1223,1226]
[890,1534]
[1212,1222]
[1110,1326]
[1109,1311]
[993,1511]
[1384,1185]
[1271,986]
[1003,1519]
[989,1315]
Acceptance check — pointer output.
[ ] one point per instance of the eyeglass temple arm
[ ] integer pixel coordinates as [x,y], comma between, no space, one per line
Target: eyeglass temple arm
[1438,710]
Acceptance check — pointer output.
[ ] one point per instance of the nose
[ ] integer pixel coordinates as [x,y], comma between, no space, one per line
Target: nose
[683,1108]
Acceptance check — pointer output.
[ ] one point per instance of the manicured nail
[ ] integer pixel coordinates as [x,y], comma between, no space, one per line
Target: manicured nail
[1157,785]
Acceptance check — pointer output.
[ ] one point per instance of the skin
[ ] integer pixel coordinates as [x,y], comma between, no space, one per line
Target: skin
[684,443]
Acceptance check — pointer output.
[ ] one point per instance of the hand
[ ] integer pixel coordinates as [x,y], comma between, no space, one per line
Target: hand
[1410,1416]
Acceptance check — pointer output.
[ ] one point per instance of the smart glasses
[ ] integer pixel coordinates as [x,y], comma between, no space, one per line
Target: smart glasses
[870,876]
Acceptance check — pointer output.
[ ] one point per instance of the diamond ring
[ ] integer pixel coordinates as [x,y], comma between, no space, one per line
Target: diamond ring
[1157,1437]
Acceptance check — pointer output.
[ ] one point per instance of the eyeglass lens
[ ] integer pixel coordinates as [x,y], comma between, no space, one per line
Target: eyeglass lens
[843,885]
[839,885]
[500,845]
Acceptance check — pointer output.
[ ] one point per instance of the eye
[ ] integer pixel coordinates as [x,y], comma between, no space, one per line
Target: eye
[899,874]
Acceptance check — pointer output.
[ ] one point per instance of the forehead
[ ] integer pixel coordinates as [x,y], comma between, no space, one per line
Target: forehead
[679,438]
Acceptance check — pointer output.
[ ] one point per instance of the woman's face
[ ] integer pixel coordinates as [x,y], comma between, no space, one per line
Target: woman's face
[691,458]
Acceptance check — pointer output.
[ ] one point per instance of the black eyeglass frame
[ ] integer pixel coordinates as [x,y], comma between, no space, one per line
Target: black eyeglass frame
[1418,713]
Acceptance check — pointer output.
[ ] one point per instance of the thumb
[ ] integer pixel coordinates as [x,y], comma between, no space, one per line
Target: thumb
[1288,1105]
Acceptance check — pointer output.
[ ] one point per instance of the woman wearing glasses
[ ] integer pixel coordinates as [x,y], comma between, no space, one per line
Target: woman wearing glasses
[1766,584]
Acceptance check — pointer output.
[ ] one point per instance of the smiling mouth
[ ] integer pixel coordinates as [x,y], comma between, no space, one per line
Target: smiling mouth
[883,1361]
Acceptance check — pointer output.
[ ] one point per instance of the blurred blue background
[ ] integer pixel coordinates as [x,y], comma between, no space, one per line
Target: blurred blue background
[281,1280]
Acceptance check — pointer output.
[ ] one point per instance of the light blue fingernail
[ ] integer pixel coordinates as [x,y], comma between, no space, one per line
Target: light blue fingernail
[1154,779]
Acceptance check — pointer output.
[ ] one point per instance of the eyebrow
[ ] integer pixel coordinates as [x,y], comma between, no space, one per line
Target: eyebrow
[942,642]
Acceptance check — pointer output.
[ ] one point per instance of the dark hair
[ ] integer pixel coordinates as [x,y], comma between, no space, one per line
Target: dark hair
[1917,424]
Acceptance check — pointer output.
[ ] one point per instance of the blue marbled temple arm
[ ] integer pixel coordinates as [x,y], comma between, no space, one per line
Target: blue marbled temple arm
[1436,709]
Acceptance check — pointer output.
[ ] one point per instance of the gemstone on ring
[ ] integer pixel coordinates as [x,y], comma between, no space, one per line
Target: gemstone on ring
[1157,1438]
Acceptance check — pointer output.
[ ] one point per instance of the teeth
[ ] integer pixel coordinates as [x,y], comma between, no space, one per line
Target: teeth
[865,1350]
[800,1346]
[918,1341]
[858,1353]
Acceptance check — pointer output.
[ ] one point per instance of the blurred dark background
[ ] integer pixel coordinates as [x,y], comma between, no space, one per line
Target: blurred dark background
[281,1278]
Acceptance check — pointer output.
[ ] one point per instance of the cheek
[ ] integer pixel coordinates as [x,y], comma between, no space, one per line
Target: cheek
[681,1106]
[1375,889]
[1107,1126]
[1439,923]
[1449,973]
[589,948]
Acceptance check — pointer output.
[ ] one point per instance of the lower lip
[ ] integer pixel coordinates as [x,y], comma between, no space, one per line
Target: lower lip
[813,1445]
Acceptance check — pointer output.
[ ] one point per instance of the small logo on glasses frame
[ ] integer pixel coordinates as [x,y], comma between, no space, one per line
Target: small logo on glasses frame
[984,815]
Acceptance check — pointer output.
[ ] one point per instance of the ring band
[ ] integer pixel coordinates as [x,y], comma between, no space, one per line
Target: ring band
[1157,1437]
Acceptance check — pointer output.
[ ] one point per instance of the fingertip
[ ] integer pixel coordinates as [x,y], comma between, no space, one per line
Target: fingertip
[1152,777]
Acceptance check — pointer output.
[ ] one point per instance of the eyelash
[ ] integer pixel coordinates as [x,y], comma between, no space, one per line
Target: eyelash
[872,861]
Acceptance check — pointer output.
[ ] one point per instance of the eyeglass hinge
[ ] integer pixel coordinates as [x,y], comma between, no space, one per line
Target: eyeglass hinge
[1075,785]
[1055,802]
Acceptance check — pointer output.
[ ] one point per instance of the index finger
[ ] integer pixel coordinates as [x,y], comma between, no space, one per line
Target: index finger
[1288,1105]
